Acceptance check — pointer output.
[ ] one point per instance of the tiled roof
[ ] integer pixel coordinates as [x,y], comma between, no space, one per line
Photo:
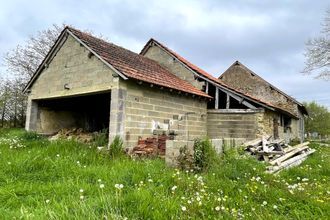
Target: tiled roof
[134,65]
[210,77]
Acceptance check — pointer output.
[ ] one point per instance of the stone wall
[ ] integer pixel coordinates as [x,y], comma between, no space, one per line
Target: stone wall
[266,126]
[240,78]
[174,66]
[149,111]
[232,125]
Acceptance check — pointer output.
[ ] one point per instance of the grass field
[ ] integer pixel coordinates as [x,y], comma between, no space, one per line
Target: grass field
[68,180]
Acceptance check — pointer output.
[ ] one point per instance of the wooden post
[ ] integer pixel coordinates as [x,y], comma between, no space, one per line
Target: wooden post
[227,101]
[207,88]
[216,98]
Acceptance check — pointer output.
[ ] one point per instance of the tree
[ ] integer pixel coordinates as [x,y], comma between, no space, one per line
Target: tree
[25,59]
[317,52]
[318,120]
[21,63]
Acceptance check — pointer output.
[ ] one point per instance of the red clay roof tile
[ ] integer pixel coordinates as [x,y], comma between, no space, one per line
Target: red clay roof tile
[135,66]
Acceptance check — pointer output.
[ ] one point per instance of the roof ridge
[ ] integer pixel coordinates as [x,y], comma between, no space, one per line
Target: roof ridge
[277,89]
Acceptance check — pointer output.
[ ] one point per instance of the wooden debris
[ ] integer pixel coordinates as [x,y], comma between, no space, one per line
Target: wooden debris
[278,154]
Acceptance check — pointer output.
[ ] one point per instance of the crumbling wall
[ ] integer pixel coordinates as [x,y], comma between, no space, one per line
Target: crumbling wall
[240,78]
[232,125]
[174,66]
[152,111]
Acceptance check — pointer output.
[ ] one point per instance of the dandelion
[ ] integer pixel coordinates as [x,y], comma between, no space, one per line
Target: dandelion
[81,190]
[223,208]
[47,201]
[118,186]
[183,208]
[99,180]
[57,155]
[78,162]
[217,208]
[101,186]
[304,179]
[150,180]
[189,201]
[264,203]
[174,188]
[9,163]
[275,206]
[82,197]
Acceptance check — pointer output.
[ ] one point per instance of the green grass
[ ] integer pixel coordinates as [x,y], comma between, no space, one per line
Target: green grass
[42,180]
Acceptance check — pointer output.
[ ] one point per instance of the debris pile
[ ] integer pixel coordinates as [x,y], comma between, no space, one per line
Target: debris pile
[151,146]
[278,154]
[73,133]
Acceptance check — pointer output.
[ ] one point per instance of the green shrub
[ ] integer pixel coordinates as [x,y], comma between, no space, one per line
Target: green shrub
[204,154]
[101,138]
[185,161]
[116,147]
[31,136]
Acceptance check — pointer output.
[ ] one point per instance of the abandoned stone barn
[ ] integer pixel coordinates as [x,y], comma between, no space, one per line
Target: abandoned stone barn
[88,83]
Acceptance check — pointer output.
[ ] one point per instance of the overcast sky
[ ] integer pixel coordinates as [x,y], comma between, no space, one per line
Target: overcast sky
[266,36]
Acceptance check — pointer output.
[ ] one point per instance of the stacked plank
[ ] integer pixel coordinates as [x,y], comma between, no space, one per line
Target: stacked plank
[278,154]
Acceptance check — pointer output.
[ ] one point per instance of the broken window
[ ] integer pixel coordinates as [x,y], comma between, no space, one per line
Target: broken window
[285,122]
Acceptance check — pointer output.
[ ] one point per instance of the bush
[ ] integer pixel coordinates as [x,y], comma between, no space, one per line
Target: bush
[185,159]
[116,147]
[31,136]
[204,154]
[101,138]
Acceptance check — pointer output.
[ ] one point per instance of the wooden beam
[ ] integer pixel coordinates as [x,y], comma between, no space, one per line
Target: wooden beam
[239,99]
[227,101]
[216,98]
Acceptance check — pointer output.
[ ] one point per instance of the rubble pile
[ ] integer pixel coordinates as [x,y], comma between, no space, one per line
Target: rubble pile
[151,146]
[73,134]
[277,154]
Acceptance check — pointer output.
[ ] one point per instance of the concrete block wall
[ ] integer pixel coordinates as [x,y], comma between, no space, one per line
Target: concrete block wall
[232,125]
[163,58]
[73,67]
[148,109]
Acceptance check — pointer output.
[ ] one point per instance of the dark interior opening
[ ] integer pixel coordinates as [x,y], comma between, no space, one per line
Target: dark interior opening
[90,112]
[234,104]
[211,104]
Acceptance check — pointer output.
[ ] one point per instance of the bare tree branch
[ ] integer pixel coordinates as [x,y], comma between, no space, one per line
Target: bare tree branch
[317,52]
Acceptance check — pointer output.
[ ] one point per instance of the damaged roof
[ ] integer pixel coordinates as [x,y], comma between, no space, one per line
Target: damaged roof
[203,73]
[237,63]
[127,64]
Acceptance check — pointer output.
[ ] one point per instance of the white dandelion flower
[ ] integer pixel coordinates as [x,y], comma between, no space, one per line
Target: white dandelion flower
[217,208]
[184,208]
[101,186]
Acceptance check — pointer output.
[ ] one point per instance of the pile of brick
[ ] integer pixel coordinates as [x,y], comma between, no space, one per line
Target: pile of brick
[151,146]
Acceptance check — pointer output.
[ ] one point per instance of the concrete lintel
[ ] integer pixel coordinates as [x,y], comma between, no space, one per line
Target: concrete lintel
[234,111]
